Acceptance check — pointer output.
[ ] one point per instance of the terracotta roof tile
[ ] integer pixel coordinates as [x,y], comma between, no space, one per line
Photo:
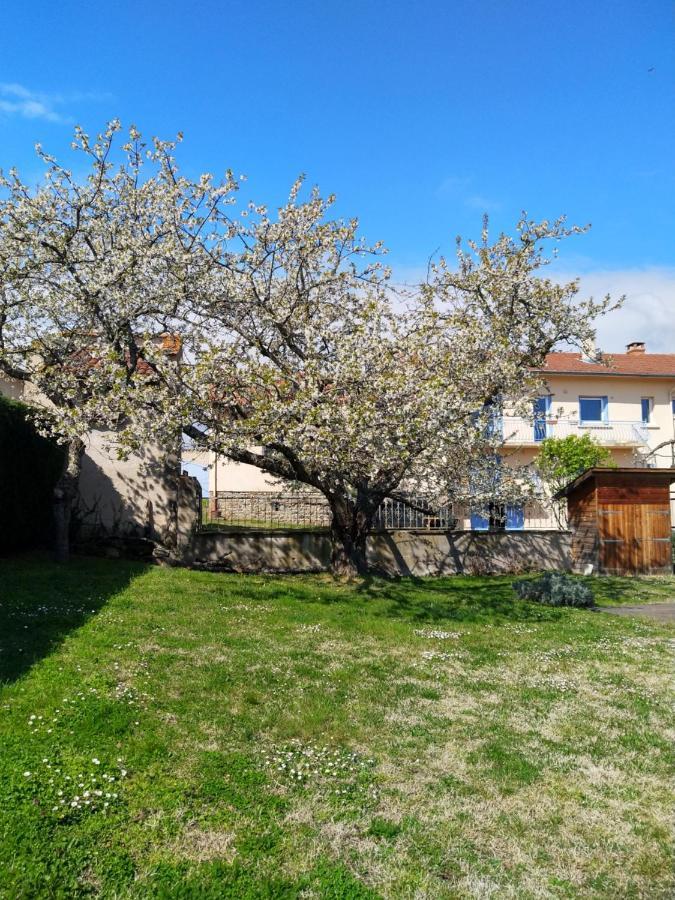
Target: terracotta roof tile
[171,343]
[659,364]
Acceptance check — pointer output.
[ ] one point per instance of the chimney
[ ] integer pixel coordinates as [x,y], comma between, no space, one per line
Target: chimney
[635,347]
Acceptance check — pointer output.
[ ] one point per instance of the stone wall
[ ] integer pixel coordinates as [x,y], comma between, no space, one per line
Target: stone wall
[261,551]
[266,508]
[418,553]
[469,552]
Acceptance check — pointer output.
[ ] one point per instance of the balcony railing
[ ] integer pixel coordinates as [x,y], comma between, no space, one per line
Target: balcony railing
[526,432]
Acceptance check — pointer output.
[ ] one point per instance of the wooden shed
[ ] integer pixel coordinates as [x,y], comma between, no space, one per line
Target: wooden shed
[620,521]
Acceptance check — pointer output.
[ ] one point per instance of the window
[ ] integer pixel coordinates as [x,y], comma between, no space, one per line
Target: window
[491,416]
[647,404]
[479,521]
[592,409]
[490,518]
[515,518]
[540,410]
[498,517]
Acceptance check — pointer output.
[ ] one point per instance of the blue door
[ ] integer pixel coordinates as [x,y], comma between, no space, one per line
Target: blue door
[541,408]
[515,518]
[479,522]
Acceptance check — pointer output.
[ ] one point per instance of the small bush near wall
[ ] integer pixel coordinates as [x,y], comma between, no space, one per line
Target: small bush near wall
[29,468]
[553,589]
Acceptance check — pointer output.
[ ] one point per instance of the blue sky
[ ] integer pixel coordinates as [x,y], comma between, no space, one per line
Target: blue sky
[420,116]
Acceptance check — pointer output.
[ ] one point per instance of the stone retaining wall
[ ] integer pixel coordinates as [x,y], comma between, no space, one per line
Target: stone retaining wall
[417,553]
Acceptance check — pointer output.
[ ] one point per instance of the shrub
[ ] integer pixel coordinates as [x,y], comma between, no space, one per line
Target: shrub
[555,589]
[29,468]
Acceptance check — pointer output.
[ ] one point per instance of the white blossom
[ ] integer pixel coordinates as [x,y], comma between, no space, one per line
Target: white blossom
[298,354]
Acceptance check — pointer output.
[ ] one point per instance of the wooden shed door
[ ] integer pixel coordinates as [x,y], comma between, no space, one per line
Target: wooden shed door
[634,537]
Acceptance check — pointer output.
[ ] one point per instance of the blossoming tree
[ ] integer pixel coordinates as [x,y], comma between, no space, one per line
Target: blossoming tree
[299,355]
[89,272]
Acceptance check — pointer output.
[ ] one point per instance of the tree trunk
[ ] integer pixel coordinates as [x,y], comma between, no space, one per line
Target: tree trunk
[65,493]
[350,525]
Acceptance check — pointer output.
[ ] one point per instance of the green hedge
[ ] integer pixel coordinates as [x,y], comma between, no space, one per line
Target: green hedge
[29,468]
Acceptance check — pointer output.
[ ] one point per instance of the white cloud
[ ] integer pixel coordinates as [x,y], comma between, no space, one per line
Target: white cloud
[18,100]
[648,313]
[459,187]
[453,183]
[481,203]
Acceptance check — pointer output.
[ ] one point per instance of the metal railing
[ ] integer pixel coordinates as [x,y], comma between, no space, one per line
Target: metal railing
[523,431]
[412,514]
[304,510]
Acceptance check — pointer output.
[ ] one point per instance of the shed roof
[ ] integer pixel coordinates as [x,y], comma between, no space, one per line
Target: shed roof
[659,476]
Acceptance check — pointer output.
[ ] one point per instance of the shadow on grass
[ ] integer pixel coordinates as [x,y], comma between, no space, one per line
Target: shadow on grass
[42,602]
[454,599]
[458,599]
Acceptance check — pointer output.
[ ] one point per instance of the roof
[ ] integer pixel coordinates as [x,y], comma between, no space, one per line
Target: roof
[658,365]
[171,344]
[659,475]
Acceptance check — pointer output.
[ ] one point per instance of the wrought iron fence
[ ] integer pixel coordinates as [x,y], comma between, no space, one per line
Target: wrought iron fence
[305,510]
[414,513]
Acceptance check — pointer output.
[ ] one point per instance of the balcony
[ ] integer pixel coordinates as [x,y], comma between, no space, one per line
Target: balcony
[523,432]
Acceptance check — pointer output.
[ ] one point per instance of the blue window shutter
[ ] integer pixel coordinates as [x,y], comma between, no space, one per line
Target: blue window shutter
[479,522]
[494,424]
[541,407]
[646,409]
[515,518]
[587,410]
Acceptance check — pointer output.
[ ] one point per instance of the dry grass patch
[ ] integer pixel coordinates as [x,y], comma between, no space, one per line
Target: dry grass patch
[202,844]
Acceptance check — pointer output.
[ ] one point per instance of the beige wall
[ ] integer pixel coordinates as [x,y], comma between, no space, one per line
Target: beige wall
[623,392]
[226,475]
[11,389]
[132,497]
[623,401]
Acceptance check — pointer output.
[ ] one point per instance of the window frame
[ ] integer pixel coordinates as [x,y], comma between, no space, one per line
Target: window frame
[604,405]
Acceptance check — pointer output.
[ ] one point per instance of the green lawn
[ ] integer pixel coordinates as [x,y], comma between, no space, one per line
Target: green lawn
[167,733]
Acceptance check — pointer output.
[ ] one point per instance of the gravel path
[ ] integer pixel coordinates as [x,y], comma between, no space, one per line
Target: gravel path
[660,612]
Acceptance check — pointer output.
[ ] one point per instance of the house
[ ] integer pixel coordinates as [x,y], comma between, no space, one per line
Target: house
[625,401]
[137,497]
